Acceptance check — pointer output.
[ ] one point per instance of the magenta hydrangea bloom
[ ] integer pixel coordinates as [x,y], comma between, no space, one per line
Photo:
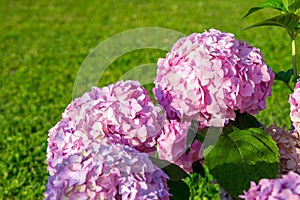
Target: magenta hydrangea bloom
[107,171]
[294,101]
[288,150]
[122,112]
[287,187]
[172,145]
[206,77]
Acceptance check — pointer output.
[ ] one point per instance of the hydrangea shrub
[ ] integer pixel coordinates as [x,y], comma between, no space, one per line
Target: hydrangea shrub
[101,147]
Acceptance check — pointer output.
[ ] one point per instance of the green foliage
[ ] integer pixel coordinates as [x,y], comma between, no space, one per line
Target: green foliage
[284,6]
[174,172]
[179,190]
[177,187]
[242,156]
[289,21]
[284,76]
[199,168]
[293,5]
[245,121]
[202,187]
[242,121]
[275,4]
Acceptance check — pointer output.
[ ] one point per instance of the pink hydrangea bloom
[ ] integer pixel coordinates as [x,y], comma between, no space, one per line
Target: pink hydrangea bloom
[122,112]
[207,76]
[287,187]
[172,145]
[107,171]
[294,101]
[297,136]
[287,145]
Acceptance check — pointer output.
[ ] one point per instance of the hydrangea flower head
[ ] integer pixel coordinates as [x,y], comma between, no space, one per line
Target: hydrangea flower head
[287,187]
[288,150]
[122,112]
[207,76]
[107,171]
[172,145]
[294,101]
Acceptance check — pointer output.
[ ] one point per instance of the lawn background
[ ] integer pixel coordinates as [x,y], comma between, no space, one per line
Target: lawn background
[43,43]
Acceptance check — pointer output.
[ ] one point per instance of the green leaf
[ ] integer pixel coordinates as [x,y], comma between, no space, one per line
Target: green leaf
[174,172]
[179,190]
[295,80]
[284,76]
[286,3]
[242,121]
[245,121]
[241,157]
[198,168]
[288,21]
[294,6]
[298,27]
[274,4]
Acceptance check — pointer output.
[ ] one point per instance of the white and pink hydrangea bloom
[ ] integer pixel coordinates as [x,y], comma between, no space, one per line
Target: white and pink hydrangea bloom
[107,171]
[287,187]
[206,77]
[122,112]
[294,101]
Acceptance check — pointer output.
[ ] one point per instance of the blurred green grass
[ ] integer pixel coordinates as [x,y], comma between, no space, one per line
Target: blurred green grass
[44,42]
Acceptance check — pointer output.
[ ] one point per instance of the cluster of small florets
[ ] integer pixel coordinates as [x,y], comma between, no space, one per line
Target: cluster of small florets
[288,150]
[96,150]
[173,146]
[122,112]
[287,187]
[294,101]
[107,171]
[206,77]
[295,107]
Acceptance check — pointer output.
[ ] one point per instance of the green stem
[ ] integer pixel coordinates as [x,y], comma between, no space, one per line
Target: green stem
[291,89]
[294,58]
